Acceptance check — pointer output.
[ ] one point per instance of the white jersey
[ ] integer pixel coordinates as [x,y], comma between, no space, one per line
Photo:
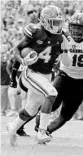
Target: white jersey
[75,68]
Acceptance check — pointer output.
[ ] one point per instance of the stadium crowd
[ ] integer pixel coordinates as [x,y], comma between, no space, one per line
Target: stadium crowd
[15,14]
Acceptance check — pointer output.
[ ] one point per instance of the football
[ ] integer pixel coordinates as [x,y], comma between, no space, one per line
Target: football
[27,51]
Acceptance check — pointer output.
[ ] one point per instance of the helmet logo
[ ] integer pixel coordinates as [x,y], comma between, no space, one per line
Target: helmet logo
[73,46]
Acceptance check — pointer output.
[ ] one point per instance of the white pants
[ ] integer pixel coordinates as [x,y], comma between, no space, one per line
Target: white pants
[39,86]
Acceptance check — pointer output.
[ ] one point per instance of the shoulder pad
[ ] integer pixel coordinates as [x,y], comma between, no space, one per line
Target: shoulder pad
[29,30]
[33,27]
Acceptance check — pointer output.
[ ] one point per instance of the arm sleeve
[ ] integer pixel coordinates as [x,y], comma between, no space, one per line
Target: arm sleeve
[28,32]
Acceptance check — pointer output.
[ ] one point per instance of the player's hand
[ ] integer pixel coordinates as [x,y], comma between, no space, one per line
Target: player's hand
[31,58]
[23,62]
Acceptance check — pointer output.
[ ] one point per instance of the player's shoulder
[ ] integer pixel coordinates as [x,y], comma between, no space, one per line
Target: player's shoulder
[31,29]
[65,31]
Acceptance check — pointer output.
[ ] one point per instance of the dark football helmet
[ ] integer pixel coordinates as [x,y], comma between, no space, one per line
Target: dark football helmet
[76,27]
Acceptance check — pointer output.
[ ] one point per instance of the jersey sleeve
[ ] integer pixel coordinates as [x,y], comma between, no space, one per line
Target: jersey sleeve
[30,30]
[29,33]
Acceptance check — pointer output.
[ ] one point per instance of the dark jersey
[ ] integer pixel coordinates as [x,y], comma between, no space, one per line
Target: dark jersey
[39,40]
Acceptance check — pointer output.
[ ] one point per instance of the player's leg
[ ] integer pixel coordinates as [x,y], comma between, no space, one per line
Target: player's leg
[45,108]
[80,112]
[56,104]
[70,105]
[23,95]
[21,130]
[50,94]
[56,108]
[43,84]
[60,84]
[24,92]
[34,101]
[44,120]
[13,127]
[25,115]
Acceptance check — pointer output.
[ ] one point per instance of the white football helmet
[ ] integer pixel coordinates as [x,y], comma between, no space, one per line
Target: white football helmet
[51,19]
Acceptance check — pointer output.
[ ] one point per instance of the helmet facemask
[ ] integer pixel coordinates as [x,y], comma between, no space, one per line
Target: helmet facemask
[76,27]
[76,32]
[55,25]
[51,20]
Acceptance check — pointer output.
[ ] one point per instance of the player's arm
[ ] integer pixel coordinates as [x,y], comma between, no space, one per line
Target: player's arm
[28,31]
[28,37]
[23,43]
[66,57]
[16,64]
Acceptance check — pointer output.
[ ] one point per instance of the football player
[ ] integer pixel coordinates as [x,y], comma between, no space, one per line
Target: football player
[37,76]
[69,81]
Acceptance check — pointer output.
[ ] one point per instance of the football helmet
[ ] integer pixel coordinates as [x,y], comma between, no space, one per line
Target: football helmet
[76,27]
[51,19]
